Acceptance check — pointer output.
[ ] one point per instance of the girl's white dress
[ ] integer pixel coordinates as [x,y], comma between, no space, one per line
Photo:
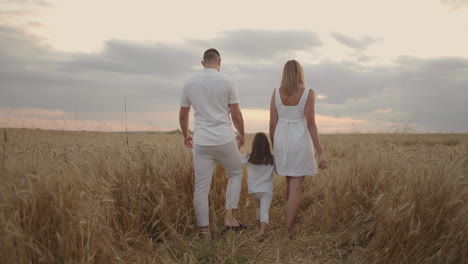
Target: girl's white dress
[260,177]
[293,147]
[260,182]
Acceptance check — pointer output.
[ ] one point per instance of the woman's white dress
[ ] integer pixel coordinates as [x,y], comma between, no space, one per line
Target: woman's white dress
[293,147]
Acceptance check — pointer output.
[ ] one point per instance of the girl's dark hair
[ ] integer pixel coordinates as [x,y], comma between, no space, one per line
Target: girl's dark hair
[261,154]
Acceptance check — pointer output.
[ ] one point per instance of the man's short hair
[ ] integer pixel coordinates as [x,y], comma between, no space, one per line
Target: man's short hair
[211,55]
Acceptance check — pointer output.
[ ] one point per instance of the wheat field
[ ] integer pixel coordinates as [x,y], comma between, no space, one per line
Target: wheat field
[95,197]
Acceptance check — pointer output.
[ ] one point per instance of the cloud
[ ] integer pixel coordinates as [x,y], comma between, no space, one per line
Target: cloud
[430,92]
[12,14]
[17,11]
[22,15]
[335,82]
[34,24]
[456,4]
[32,74]
[42,3]
[357,44]
[260,44]
[120,56]
[388,110]
[148,76]
[33,112]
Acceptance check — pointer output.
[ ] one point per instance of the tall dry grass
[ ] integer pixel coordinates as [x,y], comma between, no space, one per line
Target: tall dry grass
[79,197]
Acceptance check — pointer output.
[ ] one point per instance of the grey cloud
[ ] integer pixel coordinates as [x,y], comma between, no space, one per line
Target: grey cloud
[34,24]
[31,2]
[456,4]
[435,90]
[255,83]
[339,81]
[342,81]
[17,10]
[358,44]
[263,44]
[34,75]
[8,14]
[129,57]
[431,92]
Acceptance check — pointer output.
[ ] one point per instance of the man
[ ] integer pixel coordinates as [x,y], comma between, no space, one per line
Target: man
[215,100]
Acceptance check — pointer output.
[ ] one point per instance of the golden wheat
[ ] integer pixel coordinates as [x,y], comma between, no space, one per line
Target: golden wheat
[80,197]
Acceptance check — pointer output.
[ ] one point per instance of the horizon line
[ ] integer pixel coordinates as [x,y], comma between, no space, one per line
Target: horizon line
[177,131]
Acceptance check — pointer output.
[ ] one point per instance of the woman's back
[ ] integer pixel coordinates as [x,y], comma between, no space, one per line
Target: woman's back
[293,106]
[293,99]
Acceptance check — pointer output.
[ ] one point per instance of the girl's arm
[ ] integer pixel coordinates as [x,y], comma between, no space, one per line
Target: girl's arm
[244,158]
[273,118]
[312,127]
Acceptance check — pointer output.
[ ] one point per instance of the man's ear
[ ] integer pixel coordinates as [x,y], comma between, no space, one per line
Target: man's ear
[203,63]
[219,62]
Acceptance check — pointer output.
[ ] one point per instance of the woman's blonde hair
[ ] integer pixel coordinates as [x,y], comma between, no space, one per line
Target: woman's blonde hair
[293,77]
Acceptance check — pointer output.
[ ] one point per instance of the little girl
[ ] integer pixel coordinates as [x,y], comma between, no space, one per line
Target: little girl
[260,166]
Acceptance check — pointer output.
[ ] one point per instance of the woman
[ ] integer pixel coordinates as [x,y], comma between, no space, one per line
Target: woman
[294,134]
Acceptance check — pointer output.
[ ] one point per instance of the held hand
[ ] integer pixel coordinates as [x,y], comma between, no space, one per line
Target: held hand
[240,140]
[188,141]
[322,161]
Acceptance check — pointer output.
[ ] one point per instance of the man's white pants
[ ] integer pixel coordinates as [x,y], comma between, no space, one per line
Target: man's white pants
[263,201]
[204,160]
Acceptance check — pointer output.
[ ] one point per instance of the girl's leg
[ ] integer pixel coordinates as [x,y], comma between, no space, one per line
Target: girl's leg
[265,203]
[256,197]
[294,201]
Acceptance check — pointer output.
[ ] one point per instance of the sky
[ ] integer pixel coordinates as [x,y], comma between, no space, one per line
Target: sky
[375,66]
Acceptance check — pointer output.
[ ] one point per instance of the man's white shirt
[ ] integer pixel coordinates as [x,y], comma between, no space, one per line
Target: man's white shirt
[210,93]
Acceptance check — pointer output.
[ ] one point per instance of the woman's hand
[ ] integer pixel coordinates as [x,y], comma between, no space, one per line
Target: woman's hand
[322,161]
[188,141]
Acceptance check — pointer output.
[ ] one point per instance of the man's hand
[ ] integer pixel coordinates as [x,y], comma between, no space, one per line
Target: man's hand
[240,140]
[188,141]
[184,124]
[238,121]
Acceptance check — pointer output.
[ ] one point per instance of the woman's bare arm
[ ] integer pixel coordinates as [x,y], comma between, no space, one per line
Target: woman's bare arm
[273,118]
[312,127]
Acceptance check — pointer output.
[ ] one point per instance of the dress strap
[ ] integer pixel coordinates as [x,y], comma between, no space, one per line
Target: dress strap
[278,102]
[304,96]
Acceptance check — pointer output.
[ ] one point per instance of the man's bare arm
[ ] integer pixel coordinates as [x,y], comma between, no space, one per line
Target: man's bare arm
[184,125]
[238,121]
